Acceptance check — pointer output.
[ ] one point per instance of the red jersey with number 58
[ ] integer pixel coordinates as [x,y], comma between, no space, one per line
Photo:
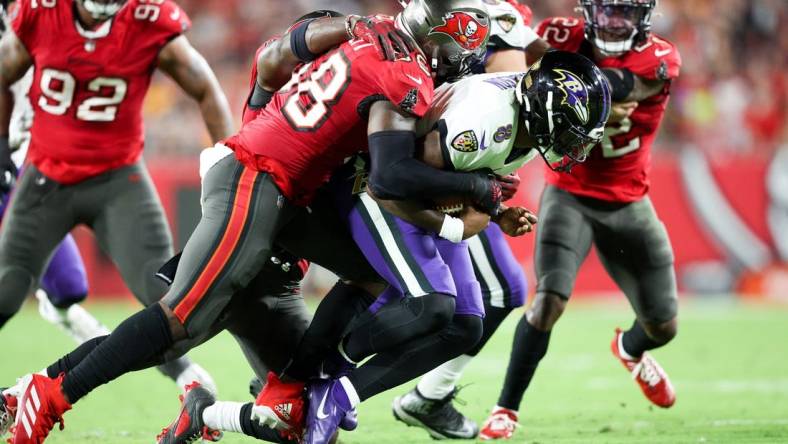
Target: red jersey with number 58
[617,170]
[89,86]
[320,117]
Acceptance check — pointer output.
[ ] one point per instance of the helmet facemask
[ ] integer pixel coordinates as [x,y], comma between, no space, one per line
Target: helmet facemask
[564,105]
[102,10]
[615,26]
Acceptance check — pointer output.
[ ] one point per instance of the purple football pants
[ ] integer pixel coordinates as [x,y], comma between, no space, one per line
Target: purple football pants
[64,280]
[413,261]
[501,276]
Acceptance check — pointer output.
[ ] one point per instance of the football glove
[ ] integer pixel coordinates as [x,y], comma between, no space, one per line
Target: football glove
[7,168]
[509,185]
[390,42]
[487,193]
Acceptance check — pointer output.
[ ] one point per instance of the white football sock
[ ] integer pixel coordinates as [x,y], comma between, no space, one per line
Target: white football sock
[224,416]
[438,383]
[623,353]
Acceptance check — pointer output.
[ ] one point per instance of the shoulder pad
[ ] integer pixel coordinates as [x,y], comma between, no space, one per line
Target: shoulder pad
[656,59]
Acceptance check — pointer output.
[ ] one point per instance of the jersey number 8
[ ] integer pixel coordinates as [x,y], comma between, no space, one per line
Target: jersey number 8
[58,89]
[323,88]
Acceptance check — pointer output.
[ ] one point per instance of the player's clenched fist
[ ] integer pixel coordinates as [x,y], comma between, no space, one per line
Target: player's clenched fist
[516,221]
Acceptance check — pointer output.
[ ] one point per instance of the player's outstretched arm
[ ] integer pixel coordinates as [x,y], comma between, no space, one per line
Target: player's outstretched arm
[396,175]
[307,40]
[191,72]
[14,63]
[628,87]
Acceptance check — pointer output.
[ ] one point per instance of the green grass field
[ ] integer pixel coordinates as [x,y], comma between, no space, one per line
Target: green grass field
[729,365]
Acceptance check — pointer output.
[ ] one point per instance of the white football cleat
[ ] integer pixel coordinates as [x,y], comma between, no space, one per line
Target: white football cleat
[75,320]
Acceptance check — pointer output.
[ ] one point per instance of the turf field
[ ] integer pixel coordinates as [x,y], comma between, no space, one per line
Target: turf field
[729,365]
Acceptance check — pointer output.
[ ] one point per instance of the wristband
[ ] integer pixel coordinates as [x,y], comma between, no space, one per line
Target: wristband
[298,42]
[452,229]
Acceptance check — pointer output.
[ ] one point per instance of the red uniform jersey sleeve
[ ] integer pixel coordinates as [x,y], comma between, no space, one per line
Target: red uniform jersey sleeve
[564,33]
[657,59]
[406,83]
[26,22]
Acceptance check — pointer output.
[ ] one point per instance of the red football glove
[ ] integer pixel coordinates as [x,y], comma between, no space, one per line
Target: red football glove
[390,42]
[509,185]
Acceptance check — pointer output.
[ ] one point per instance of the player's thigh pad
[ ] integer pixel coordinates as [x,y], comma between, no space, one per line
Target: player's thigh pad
[404,255]
[125,212]
[469,292]
[500,275]
[38,217]
[563,239]
[243,211]
[635,248]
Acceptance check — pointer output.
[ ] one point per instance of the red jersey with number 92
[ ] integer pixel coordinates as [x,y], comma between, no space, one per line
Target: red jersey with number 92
[617,170]
[320,117]
[89,86]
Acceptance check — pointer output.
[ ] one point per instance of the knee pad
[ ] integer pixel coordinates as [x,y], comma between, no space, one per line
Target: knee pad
[465,331]
[16,283]
[438,308]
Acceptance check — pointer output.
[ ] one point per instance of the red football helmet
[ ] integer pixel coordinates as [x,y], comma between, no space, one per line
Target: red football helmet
[614,26]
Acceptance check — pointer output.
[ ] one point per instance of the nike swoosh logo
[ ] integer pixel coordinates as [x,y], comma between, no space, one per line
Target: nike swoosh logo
[321,413]
[175,14]
[415,79]
[660,53]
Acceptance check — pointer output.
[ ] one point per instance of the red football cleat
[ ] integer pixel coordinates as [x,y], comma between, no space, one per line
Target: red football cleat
[41,405]
[280,405]
[500,425]
[651,378]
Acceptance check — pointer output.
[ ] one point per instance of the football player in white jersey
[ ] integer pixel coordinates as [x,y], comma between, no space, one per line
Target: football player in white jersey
[512,47]
[499,122]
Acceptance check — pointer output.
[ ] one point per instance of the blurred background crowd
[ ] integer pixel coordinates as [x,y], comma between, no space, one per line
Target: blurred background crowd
[732,96]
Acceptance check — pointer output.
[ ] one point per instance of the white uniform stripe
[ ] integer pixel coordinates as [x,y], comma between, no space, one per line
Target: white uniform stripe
[383,230]
[550,111]
[27,427]
[34,395]
[30,412]
[479,256]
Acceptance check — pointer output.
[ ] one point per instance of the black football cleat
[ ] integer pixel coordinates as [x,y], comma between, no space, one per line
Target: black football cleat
[438,417]
[189,427]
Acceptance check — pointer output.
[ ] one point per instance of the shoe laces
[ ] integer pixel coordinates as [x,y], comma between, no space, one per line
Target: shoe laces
[501,421]
[647,370]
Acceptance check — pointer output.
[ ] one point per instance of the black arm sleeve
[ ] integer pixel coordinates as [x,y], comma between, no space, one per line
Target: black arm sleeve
[620,87]
[396,175]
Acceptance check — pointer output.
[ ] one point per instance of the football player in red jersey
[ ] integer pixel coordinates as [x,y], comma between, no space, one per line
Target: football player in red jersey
[258,196]
[93,64]
[604,202]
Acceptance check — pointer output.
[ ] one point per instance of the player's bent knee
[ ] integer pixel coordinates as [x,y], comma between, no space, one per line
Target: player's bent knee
[16,283]
[438,309]
[546,310]
[470,329]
